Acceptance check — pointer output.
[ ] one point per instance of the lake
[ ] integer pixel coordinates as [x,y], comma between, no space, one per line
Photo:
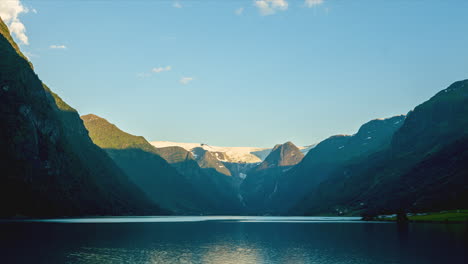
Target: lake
[223,240]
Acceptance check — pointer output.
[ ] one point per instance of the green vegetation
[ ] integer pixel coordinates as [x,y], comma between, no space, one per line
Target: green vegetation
[295,190]
[58,101]
[6,34]
[424,168]
[445,216]
[108,136]
[174,154]
[50,167]
[181,186]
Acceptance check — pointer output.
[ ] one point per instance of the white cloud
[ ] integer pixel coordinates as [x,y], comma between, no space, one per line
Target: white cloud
[9,12]
[161,69]
[185,80]
[58,47]
[177,5]
[269,7]
[156,70]
[312,3]
[239,11]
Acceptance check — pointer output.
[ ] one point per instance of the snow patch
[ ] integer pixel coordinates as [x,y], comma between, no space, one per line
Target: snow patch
[231,154]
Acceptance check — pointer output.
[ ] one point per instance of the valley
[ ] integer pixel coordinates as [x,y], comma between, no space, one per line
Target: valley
[233,132]
[56,163]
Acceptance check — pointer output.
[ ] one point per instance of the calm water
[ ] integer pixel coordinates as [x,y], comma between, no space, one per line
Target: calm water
[223,240]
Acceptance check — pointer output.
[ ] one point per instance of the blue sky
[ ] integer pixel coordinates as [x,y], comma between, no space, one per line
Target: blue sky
[246,73]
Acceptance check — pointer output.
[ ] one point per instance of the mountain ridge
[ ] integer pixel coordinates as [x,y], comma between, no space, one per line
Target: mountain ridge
[417,171]
[50,166]
[230,154]
[260,182]
[180,185]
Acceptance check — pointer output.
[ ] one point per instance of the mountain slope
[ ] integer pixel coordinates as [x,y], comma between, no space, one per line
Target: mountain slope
[230,161]
[326,156]
[217,187]
[174,155]
[49,165]
[181,186]
[260,183]
[282,155]
[424,167]
[207,159]
[230,154]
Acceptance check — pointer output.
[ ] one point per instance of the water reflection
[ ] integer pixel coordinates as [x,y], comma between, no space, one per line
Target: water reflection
[226,241]
[178,219]
[228,253]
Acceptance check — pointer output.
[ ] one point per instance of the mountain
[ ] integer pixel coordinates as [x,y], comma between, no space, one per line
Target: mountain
[177,183]
[231,161]
[216,184]
[50,167]
[229,154]
[282,155]
[207,159]
[260,182]
[174,155]
[293,185]
[424,168]
[331,153]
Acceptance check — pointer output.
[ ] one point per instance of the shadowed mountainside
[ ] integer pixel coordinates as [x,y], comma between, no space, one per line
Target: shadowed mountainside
[181,186]
[260,182]
[329,154]
[424,168]
[50,167]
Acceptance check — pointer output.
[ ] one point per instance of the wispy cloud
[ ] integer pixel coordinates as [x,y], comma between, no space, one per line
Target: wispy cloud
[312,3]
[161,69]
[156,70]
[185,80]
[58,47]
[269,7]
[177,4]
[239,11]
[143,75]
[9,12]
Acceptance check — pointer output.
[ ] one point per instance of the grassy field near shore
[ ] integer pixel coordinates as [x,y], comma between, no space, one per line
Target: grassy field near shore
[443,216]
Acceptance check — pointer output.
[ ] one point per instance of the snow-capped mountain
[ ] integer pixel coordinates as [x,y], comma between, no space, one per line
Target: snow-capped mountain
[226,154]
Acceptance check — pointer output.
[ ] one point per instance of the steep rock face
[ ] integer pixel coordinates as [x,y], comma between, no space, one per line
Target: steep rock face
[50,167]
[208,159]
[282,155]
[180,186]
[260,183]
[424,167]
